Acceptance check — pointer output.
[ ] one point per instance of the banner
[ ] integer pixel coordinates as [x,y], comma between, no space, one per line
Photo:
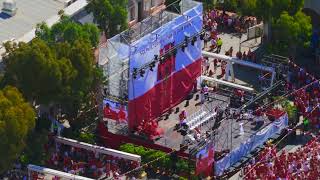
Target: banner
[204,160]
[168,83]
[114,111]
[249,145]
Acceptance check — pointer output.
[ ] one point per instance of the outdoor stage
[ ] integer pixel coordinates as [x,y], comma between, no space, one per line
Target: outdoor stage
[157,82]
[227,138]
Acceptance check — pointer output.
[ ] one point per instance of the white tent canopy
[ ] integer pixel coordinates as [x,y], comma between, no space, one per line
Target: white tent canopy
[53,172]
[99,149]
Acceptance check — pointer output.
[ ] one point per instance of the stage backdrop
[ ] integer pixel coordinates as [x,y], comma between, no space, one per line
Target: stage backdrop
[170,82]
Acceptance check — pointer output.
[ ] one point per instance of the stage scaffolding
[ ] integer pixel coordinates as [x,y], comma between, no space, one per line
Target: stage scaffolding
[114,55]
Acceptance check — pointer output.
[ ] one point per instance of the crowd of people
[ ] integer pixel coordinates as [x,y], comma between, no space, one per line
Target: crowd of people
[14,174]
[228,21]
[216,21]
[85,162]
[307,100]
[150,129]
[301,164]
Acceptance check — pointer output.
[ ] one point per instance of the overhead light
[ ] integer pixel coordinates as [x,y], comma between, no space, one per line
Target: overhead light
[173,52]
[134,73]
[156,57]
[185,43]
[142,72]
[183,47]
[202,34]
[186,39]
[162,59]
[194,40]
[152,65]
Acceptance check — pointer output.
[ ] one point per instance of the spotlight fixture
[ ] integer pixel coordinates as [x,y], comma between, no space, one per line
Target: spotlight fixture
[186,39]
[185,43]
[202,34]
[142,72]
[183,48]
[156,58]
[152,65]
[174,52]
[194,40]
[162,58]
[134,73]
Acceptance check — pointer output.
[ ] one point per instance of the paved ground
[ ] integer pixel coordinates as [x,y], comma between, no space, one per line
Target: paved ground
[244,75]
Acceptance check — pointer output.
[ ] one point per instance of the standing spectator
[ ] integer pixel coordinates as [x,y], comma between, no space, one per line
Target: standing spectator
[206,39]
[231,51]
[215,64]
[219,45]
[213,44]
[239,55]
[206,65]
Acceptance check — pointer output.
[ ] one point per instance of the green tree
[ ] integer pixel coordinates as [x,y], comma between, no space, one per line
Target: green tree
[86,75]
[61,75]
[17,119]
[291,32]
[230,5]
[270,10]
[110,15]
[34,70]
[248,7]
[68,31]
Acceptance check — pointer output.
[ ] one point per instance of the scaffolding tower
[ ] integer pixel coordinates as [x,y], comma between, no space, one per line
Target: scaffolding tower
[114,55]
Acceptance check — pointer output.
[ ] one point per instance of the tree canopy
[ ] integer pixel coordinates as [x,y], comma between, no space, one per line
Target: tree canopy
[292,31]
[269,9]
[34,70]
[61,74]
[17,119]
[110,15]
[68,31]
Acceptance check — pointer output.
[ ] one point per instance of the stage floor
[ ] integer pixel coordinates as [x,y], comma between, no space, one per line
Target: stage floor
[228,128]
[227,135]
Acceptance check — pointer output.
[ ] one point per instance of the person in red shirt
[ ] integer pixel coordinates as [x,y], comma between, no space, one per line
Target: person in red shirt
[122,116]
[107,111]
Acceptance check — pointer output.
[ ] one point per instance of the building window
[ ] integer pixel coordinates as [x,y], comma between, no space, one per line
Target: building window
[132,11]
[147,5]
[156,3]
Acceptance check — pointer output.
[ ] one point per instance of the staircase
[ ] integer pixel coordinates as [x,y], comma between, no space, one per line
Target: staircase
[199,118]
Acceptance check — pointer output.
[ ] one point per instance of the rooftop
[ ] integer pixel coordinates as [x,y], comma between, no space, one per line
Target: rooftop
[29,14]
[21,27]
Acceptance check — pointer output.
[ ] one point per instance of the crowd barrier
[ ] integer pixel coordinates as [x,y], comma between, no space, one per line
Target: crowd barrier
[249,145]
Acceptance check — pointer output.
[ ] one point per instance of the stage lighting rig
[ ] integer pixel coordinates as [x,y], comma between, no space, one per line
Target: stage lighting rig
[152,65]
[156,58]
[194,40]
[202,34]
[162,58]
[134,73]
[142,72]
[185,43]
[174,52]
